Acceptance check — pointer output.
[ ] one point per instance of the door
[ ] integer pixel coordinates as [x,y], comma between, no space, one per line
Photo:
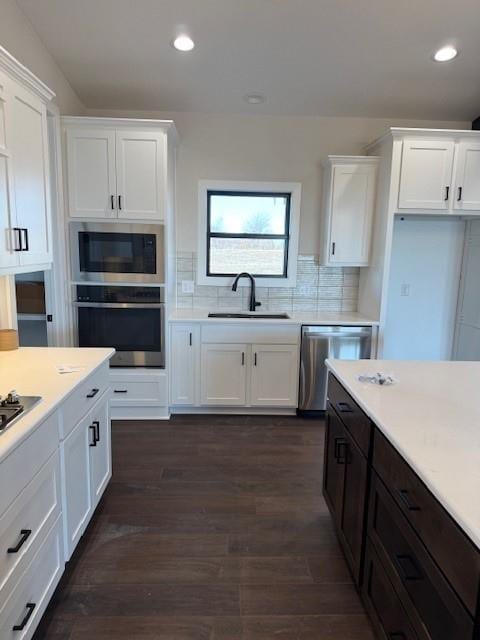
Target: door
[31,177]
[274,380]
[100,452]
[77,504]
[140,175]
[334,456]
[353,198]
[184,347]
[426,174]
[467,183]
[92,188]
[353,506]
[223,374]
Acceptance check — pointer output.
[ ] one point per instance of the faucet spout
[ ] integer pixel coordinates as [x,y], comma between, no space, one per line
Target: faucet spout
[253,303]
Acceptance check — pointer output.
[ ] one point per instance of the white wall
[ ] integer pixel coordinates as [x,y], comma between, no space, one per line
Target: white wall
[18,37]
[427,257]
[268,148]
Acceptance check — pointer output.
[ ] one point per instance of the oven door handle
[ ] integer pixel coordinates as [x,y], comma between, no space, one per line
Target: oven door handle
[119,305]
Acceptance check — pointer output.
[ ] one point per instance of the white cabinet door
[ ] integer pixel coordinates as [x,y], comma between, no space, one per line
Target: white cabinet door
[29,146]
[223,374]
[274,381]
[467,180]
[77,502]
[140,174]
[92,188]
[184,363]
[100,452]
[351,211]
[426,174]
[9,240]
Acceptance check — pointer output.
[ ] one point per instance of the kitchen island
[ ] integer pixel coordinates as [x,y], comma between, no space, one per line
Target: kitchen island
[402,480]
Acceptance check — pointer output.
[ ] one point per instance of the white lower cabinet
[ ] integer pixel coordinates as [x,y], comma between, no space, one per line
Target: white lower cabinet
[274,380]
[223,374]
[184,341]
[86,470]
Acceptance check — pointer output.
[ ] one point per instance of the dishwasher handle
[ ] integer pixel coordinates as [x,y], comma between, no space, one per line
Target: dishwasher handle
[337,334]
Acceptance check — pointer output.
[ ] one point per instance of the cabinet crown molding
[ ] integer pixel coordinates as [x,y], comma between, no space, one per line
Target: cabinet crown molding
[398,133]
[19,72]
[168,126]
[336,160]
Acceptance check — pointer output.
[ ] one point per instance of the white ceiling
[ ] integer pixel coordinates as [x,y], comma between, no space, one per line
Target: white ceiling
[328,57]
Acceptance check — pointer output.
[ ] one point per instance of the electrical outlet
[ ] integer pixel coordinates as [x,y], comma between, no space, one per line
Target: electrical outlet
[405,290]
[187,286]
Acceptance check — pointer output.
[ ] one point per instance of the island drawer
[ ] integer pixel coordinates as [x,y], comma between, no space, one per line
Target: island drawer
[24,462]
[433,607]
[350,413]
[382,601]
[26,522]
[83,399]
[435,527]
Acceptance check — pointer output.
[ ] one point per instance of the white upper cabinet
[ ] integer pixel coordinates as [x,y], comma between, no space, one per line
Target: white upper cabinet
[426,174]
[114,171]
[140,161]
[466,196]
[92,184]
[349,200]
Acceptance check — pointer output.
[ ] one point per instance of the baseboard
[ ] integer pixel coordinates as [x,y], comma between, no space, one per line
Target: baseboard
[139,413]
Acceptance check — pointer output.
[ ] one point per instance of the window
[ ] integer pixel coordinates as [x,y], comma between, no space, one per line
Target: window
[250,227]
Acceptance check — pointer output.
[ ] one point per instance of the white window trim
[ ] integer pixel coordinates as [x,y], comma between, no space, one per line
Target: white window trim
[295,188]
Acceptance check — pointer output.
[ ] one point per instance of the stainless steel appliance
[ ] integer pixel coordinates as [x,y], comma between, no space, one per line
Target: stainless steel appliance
[320,343]
[117,252]
[13,407]
[130,319]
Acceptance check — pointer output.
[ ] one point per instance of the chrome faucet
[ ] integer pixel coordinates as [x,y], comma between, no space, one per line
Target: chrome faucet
[253,303]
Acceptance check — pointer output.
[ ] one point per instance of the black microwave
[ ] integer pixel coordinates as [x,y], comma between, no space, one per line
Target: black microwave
[117,253]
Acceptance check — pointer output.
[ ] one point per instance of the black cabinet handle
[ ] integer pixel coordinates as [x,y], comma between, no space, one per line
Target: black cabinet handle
[243,358]
[459,197]
[120,391]
[255,360]
[93,393]
[447,193]
[333,248]
[190,339]
[112,202]
[119,203]
[405,498]
[30,609]
[24,535]
[93,443]
[18,239]
[409,569]
[344,407]
[340,450]
[96,424]
[26,247]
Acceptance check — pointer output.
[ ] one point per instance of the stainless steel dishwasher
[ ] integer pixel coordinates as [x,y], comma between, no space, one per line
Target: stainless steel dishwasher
[320,343]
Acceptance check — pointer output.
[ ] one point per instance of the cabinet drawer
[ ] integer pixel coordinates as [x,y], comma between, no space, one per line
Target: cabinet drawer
[25,524]
[19,468]
[82,399]
[433,607]
[350,413]
[382,602]
[428,518]
[30,597]
[149,390]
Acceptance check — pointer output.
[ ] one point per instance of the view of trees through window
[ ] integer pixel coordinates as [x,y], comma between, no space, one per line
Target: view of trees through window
[248,232]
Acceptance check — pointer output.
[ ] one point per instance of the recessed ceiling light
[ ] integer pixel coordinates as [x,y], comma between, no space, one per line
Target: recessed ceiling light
[183,43]
[254,98]
[445,54]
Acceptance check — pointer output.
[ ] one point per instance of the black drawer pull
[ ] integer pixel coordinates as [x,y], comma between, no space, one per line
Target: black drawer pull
[399,635]
[408,568]
[340,450]
[120,391]
[404,497]
[96,424]
[20,627]
[344,407]
[93,393]
[24,536]
[93,443]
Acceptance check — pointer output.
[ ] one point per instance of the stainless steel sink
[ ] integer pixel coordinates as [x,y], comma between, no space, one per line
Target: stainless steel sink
[251,316]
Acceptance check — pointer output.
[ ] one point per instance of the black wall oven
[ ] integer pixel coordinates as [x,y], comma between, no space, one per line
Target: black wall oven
[130,319]
[117,253]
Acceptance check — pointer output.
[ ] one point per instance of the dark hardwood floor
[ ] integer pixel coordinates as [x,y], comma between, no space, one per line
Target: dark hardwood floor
[213,528]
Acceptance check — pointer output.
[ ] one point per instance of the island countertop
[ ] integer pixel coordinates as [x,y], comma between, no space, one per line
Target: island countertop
[431,415]
[34,371]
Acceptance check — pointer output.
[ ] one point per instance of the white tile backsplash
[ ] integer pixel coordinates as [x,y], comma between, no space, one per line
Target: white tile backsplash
[318,289]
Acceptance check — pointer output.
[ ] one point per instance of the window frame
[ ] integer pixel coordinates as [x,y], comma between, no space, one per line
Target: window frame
[292,190]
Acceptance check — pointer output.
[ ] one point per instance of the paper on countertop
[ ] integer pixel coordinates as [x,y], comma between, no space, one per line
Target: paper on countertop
[66,368]
[377,378]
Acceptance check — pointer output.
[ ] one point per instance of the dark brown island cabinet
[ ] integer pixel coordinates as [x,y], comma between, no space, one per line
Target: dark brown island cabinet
[418,573]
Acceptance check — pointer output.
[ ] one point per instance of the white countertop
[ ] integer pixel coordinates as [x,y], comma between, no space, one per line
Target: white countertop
[305,317]
[432,417]
[33,371]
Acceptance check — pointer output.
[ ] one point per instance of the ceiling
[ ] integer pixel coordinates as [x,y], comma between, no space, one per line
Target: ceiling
[328,57]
